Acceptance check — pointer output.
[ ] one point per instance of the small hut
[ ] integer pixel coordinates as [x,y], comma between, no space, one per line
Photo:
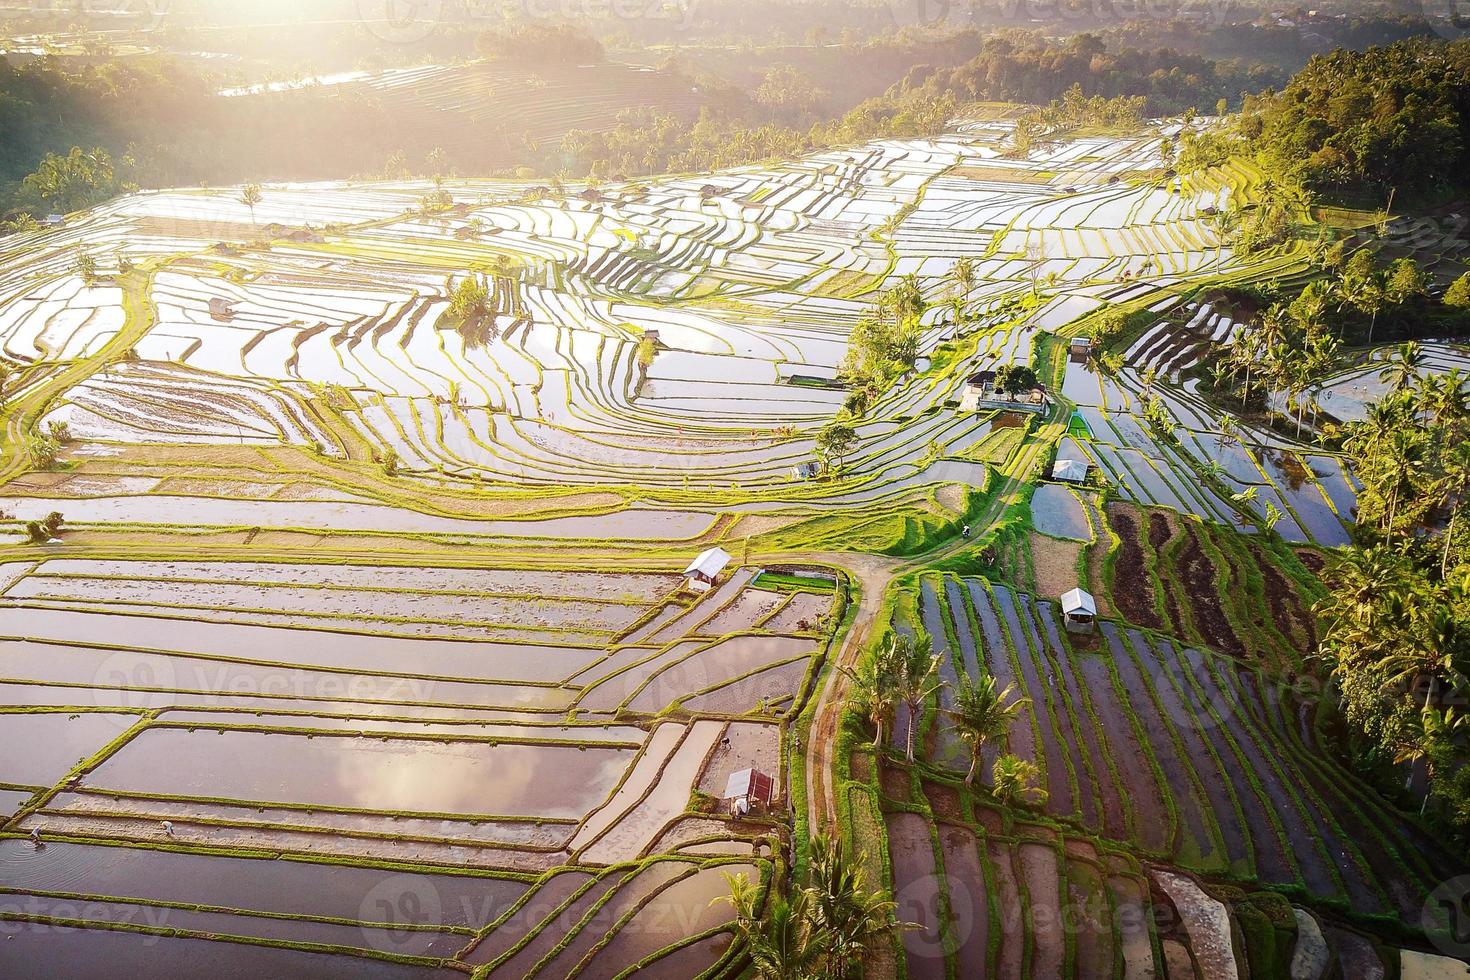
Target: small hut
[1079,612]
[1079,348]
[55,221]
[221,309]
[703,571]
[977,389]
[805,471]
[1071,470]
[747,790]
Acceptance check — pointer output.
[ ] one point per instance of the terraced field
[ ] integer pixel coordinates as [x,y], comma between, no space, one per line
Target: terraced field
[365,648]
[455,764]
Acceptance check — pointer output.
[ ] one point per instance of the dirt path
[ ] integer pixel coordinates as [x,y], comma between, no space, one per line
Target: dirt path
[874,574]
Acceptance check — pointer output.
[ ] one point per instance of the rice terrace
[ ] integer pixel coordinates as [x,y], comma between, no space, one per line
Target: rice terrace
[1003,520]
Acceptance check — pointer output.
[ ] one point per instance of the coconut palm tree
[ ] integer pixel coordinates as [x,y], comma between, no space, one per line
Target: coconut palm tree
[873,691]
[785,943]
[962,277]
[1457,489]
[1403,366]
[916,676]
[1013,779]
[844,911]
[981,713]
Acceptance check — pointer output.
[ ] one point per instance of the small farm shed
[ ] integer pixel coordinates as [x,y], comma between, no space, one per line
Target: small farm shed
[55,220]
[977,389]
[221,309]
[805,471]
[1079,348]
[747,789]
[703,570]
[1071,470]
[1079,611]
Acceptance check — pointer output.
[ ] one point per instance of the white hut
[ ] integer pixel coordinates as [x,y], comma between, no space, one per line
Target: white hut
[1071,470]
[1079,612]
[748,790]
[703,570]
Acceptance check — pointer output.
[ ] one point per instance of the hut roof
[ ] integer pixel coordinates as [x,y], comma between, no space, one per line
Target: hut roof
[709,563]
[1077,601]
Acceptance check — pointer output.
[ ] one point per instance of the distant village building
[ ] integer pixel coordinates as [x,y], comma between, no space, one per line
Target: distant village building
[703,571]
[1071,470]
[1079,612]
[747,790]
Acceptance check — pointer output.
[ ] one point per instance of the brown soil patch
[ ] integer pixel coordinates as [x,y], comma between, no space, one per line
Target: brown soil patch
[992,821]
[858,765]
[1160,530]
[1056,564]
[1197,573]
[945,802]
[894,782]
[1133,592]
[1288,612]
[1315,561]
[1080,849]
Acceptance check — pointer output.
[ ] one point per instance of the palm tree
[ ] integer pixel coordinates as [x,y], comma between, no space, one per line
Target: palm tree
[873,691]
[1430,730]
[1014,779]
[1404,467]
[1225,220]
[1403,366]
[250,196]
[962,277]
[843,910]
[917,667]
[982,713]
[785,944]
[1456,489]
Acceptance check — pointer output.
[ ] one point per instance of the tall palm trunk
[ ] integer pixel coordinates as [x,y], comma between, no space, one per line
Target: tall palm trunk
[1449,536]
[974,765]
[913,724]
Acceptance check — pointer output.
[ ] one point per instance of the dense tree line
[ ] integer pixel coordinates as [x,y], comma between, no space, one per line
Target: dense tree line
[1398,617]
[540,44]
[1020,66]
[1358,124]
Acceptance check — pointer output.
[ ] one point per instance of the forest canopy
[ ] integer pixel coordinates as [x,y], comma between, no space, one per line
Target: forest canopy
[1356,124]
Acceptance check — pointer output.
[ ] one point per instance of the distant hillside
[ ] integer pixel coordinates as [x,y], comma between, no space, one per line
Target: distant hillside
[482,115]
